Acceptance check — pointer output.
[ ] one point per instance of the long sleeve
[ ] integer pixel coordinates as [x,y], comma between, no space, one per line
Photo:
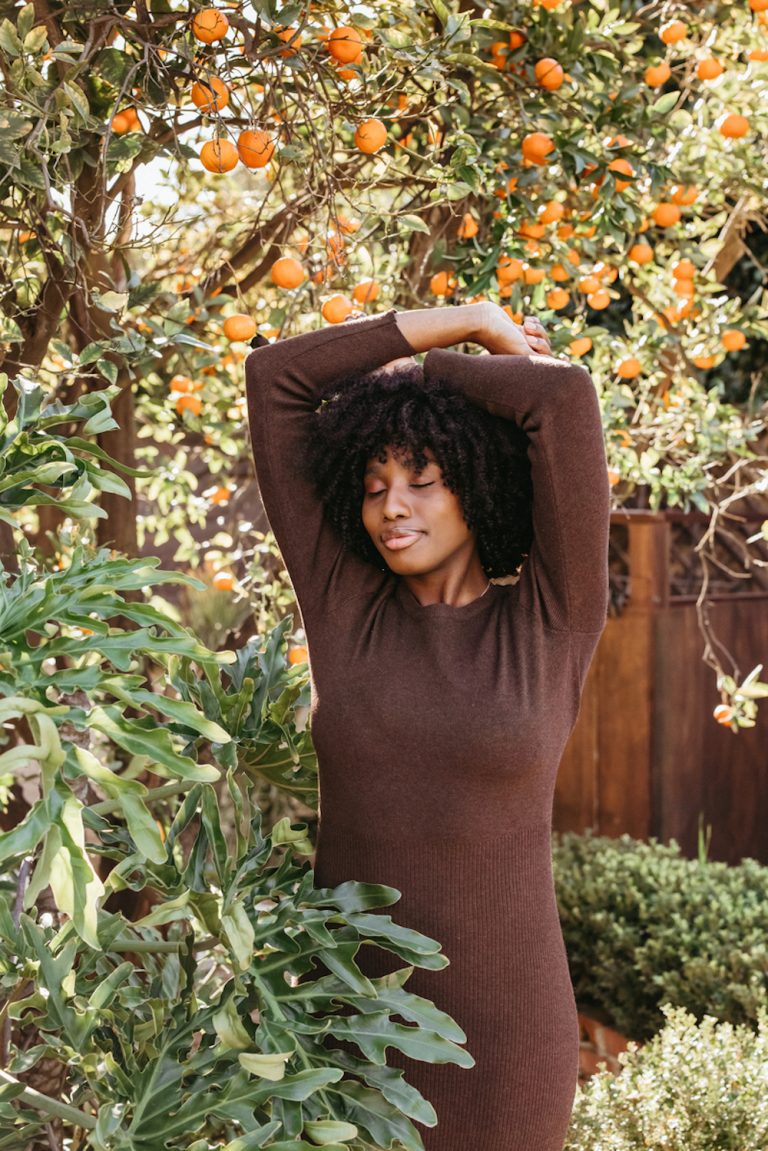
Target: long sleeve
[284,385]
[564,580]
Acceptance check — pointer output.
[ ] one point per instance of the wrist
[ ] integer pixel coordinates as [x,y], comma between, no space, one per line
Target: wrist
[441,327]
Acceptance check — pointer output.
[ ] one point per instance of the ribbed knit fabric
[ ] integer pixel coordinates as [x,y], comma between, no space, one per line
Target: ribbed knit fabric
[439,729]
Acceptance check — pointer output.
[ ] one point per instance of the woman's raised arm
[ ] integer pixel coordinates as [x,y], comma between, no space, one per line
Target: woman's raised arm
[564,580]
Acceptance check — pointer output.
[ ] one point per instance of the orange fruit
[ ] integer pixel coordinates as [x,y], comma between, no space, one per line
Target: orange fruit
[732,125]
[219,156]
[759,5]
[255,147]
[565,231]
[181,384]
[287,272]
[641,253]
[613,477]
[733,340]
[221,496]
[209,25]
[533,275]
[559,274]
[629,368]
[531,231]
[673,32]
[709,68]
[345,44]
[657,74]
[442,284]
[549,74]
[723,713]
[684,194]
[371,136]
[580,346]
[599,299]
[291,37]
[666,214]
[623,166]
[684,269]
[515,317]
[759,55]
[336,309]
[239,327]
[187,403]
[536,146]
[365,292]
[558,298]
[223,581]
[704,362]
[210,94]
[551,212]
[516,39]
[508,269]
[589,284]
[468,227]
[685,288]
[121,124]
[348,226]
[298,655]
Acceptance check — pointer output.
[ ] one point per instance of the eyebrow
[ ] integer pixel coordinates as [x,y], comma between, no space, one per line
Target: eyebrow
[373,469]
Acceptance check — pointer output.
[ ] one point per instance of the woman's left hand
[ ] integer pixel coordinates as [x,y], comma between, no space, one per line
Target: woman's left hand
[500,335]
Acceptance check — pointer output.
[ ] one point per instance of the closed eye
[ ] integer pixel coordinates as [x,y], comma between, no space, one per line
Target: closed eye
[381,491]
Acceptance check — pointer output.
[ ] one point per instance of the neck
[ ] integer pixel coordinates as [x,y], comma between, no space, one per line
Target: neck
[433,588]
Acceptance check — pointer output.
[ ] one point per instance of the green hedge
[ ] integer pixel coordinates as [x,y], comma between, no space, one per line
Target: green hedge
[693,1087]
[643,926]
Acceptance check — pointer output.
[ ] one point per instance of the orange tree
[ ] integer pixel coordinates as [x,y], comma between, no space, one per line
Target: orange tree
[166,169]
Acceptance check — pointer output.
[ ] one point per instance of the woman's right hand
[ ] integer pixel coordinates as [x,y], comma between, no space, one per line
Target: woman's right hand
[500,335]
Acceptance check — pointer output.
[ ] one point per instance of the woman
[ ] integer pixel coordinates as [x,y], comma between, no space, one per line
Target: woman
[441,701]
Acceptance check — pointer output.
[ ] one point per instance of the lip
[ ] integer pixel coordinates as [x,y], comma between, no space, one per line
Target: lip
[398,539]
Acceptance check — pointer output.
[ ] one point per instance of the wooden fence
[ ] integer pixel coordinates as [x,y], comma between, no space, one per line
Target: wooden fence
[646,756]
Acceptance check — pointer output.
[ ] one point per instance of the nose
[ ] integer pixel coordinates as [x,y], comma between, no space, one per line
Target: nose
[396,503]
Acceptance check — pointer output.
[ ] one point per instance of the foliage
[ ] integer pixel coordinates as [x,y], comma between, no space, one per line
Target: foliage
[697,1086]
[123,256]
[644,926]
[165,963]
[208,1029]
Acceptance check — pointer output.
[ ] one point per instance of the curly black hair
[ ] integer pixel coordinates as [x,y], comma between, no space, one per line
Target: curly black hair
[483,459]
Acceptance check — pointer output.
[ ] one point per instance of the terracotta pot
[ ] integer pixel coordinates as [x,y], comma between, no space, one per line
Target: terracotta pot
[600,1046]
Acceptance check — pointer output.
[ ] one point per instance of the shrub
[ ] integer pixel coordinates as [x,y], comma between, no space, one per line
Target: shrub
[643,926]
[696,1086]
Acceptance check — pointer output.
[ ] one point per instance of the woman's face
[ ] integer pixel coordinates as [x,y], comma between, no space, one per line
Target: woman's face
[415,522]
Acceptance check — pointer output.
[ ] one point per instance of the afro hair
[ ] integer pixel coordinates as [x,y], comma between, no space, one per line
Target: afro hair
[483,459]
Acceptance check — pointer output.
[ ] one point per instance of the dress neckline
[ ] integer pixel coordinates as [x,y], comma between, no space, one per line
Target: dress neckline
[411,605]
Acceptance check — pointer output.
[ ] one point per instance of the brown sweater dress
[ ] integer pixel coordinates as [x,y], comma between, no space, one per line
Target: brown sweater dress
[439,729]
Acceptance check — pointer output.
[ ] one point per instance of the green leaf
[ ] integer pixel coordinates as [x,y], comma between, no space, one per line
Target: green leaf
[268,1066]
[108,369]
[9,39]
[156,744]
[238,930]
[324,1131]
[36,40]
[664,104]
[412,224]
[376,1032]
[180,711]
